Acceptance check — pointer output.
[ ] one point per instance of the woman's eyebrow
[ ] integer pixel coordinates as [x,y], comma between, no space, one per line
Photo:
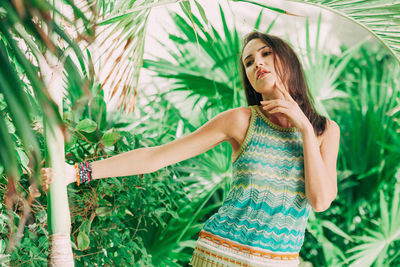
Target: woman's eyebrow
[257,51]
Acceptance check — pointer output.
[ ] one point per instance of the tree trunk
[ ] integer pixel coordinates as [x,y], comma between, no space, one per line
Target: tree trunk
[59,221]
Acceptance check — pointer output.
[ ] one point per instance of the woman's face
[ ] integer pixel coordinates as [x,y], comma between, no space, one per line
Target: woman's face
[258,62]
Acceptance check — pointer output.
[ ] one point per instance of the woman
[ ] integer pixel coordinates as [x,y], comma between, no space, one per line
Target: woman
[284,162]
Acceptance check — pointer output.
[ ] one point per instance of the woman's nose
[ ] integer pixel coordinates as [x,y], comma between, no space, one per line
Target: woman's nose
[259,62]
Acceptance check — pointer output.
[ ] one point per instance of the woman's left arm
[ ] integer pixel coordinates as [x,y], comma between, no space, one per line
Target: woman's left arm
[320,165]
[319,160]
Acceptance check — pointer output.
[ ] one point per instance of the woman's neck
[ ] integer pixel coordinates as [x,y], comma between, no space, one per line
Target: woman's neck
[278,119]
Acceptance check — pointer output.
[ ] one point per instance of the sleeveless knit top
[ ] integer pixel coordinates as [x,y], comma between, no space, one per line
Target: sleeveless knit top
[263,218]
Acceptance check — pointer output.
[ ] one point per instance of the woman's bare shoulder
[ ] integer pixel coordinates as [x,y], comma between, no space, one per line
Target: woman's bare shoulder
[331,127]
[240,115]
[332,132]
[239,121]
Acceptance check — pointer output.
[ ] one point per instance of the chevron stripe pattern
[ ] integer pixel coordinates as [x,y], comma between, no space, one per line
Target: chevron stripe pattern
[266,211]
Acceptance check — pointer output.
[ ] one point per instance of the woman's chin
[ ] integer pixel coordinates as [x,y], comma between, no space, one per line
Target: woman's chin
[266,90]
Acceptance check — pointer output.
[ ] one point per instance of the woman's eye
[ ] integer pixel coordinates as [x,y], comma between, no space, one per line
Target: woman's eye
[248,63]
[266,53]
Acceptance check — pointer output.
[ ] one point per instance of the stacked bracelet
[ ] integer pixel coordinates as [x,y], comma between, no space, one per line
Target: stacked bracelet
[83,172]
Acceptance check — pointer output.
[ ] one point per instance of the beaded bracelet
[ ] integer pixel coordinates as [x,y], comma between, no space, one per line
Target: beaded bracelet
[83,172]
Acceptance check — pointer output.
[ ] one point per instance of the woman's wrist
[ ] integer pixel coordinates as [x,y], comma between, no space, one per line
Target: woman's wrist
[307,129]
[70,173]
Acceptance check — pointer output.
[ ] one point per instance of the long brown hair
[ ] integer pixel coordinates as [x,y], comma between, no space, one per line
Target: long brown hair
[293,77]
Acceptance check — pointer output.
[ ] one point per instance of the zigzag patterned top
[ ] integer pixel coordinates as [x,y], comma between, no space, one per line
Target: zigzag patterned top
[262,220]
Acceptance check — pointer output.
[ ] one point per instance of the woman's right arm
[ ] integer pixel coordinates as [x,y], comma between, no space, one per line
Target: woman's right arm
[150,159]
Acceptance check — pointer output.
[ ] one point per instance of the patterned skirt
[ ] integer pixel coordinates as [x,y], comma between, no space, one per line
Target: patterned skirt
[213,251]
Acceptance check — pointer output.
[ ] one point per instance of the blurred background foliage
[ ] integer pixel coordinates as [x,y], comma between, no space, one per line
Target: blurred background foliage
[154,219]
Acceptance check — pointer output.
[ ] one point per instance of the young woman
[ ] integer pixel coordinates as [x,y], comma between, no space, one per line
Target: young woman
[284,162]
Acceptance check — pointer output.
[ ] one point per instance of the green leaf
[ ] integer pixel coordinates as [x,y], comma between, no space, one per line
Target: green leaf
[10,126]
[2,103]
[258,21]
[98,111]
[279,10]
[331,226]
[202,12]
[114,19]
[83,241]
[103,211]
[23,158]
[86,125]
[3,13]
[186,8]
[109,138]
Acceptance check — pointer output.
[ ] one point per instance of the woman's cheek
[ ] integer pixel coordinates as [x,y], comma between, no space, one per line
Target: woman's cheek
[249,77]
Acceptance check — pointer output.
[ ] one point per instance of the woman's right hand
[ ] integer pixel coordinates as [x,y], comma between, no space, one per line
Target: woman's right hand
[46,176]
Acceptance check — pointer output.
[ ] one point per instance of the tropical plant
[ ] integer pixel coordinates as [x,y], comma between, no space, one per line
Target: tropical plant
[153,212]
[34,26]
[367,161]
[367,124]
[323,69]
[205,63]
[375,246]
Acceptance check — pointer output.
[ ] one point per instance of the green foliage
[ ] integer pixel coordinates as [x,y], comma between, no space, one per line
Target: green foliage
[323,70]
[22,27]
[367,165]
[206,63]
[136,219]
[116,220]
[375,245]
[366,121]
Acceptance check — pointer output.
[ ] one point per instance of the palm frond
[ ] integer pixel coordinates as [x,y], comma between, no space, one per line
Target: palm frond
[119,56]
[379,17]
[205,62]
[374,246]
[322,70]
[365,121]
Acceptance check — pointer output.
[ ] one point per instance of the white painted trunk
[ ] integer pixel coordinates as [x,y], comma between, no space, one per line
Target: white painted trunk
[59,221]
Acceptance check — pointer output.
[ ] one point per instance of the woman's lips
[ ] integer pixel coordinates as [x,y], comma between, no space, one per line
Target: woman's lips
[262,75]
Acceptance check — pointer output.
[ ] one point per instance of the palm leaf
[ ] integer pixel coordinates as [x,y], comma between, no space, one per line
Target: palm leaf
[322,70]
[365,120]
[205,64]
[119,56]
[379,17]
[374,246]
